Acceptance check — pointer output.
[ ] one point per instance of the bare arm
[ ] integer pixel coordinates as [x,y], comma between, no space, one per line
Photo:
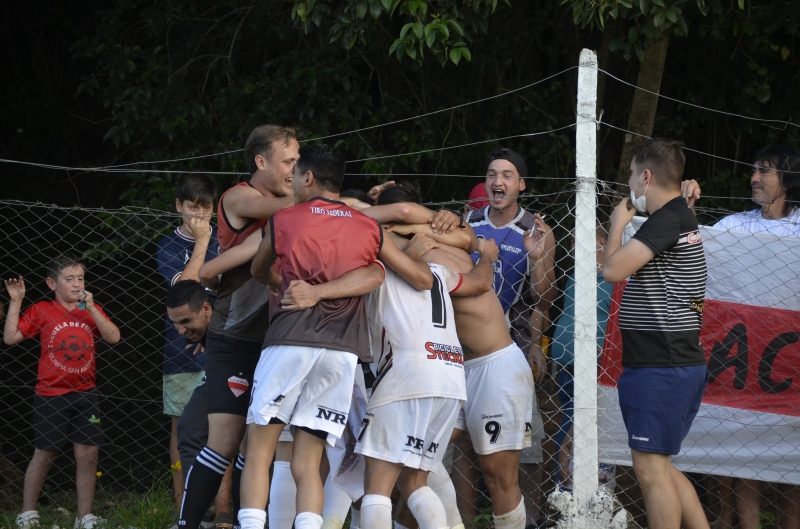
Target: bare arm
[16,293]
[244,203]
[409,264]
[264,259]
[228,260]
[201,231]
[536,358]
[623,260]
[301,295]
[479,280]
[443,221]
[108,331]
[540,244]
[461,237]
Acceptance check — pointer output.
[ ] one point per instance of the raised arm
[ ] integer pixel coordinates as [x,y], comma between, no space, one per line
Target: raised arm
[264,259]
[301,295]
[201,231]
[623,260]
[409,264]
[109,332]
[462,237]
[16,293]
[228,260]
[540,244]
[479,280]
[242,203]
[443,221]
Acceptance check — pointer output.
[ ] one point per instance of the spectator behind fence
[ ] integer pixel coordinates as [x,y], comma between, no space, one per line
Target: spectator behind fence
[478,199]
[775,188]
[525,283]
[180,256]
[664,374]
[66,406]
[562,351]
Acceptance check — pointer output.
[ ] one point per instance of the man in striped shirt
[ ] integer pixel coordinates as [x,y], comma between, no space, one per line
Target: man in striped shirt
[660,315]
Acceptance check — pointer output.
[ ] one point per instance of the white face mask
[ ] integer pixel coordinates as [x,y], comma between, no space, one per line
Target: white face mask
[639,203]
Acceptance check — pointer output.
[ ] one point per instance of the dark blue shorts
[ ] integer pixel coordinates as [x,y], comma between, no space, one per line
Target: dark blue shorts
[659,404]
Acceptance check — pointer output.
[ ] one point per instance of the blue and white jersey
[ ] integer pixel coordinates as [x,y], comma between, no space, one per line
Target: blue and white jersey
[512,267]
[174,251]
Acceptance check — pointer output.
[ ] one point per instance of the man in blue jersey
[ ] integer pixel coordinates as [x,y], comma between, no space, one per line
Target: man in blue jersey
[525,283]
[180,256]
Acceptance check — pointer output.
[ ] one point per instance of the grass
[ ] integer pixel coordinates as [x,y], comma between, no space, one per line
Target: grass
[155,509]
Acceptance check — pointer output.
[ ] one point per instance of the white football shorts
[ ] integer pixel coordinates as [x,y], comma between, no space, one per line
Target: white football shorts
[499,408]
[414,432]
[303,387]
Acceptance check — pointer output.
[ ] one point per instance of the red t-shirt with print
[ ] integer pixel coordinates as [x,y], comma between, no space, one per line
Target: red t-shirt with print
[67,363]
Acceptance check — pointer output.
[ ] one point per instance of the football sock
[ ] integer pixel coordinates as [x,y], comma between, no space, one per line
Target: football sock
[202,485]
[336,505]
[355,518]
[511,520]
[282,497]
[252,518]
[308,520]
[427,508]
[376,512]
[442,486]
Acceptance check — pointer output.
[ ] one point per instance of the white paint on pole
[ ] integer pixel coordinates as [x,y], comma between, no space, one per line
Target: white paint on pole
[585,400]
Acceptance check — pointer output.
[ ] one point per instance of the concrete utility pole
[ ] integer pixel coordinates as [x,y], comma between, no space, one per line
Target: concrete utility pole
[586,508]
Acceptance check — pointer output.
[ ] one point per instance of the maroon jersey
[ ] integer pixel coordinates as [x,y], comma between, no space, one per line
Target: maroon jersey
[228,236]
[317,242]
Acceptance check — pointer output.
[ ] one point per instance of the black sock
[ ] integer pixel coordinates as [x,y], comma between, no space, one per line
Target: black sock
[202,485]
[236,489]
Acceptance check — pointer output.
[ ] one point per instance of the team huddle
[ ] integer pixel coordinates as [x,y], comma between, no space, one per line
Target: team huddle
[367,332]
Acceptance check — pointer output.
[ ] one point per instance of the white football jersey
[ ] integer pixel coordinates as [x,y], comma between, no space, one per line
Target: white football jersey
[414,340]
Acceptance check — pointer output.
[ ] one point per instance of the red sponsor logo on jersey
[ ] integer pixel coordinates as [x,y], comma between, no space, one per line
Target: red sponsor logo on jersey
[444,352]
[693,238]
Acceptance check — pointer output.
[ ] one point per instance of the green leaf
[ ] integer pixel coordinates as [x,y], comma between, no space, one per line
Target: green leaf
[405,30]
[633,34]
[455,55]
[741,5]
[659,3]
[639,53]
[351,40]
[785,53]
[361,9]
[430,40]
[374,9]
[658,20]
[672,15]
[419,30]
[643,5]
[466,53]
[394,46]
[763,93]
[387,4]
[456,26]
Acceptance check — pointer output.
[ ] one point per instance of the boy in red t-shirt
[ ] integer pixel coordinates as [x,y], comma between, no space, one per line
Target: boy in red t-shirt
[65,407]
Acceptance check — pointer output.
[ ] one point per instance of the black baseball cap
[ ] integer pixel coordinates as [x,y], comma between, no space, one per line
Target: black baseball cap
[507,154]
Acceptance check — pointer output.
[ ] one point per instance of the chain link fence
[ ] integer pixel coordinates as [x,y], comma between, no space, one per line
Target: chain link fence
[741,453]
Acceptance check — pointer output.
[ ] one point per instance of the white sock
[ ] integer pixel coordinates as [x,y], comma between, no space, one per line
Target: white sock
[442,486]
[282,497]
[397,525]
[336,505]
[308,520]
[376,512]
[427,508]
[355,518]
[511,520]
[252,518]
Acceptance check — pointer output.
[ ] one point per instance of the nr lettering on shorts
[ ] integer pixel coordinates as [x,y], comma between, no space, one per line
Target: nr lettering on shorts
[330,415]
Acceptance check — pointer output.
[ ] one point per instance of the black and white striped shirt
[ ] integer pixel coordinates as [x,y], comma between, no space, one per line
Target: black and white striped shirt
[662,306]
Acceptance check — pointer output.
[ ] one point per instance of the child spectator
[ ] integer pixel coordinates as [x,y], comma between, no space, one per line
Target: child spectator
[66,406]
[180,256]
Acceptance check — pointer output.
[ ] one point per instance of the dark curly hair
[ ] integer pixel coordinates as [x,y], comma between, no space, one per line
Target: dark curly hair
[786,161]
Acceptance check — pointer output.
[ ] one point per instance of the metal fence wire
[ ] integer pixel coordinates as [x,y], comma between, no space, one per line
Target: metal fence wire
[741,453]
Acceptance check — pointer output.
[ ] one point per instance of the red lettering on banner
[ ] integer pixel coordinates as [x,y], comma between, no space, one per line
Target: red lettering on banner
[753,355]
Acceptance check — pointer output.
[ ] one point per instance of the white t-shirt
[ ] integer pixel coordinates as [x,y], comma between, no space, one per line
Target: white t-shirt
[753,222]
[414,340]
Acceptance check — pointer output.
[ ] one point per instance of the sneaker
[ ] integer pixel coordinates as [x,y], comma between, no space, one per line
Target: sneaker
[90,521]
[223,521]
[27,520]
[208,520]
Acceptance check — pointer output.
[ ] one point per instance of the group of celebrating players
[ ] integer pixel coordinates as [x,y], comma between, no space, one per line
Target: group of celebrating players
[364,331]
